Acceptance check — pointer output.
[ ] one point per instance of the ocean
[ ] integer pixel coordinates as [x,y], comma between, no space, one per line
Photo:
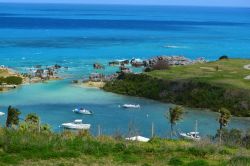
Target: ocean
[79,35]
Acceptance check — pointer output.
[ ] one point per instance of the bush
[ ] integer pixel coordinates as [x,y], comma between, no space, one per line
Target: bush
[161,65]
[175,161]
[223,57]
[201,151]
[11,80]
[239,161]
[198,163]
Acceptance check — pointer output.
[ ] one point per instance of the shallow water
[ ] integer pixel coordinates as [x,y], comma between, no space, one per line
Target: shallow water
[79,35]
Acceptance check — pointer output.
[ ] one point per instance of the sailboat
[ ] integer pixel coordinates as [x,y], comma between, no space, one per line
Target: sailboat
[194,135]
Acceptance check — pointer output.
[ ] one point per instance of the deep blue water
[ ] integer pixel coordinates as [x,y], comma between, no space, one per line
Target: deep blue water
[79,35]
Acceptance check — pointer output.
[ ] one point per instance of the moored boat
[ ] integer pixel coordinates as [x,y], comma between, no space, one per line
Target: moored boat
[76,125]
[191,135]
[138,138]
[2,113]
[131,106]
[82,111]
[194,135]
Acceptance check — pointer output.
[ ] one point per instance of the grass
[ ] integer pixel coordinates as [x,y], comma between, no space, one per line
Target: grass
[29,148]
[230,73]
[4,73]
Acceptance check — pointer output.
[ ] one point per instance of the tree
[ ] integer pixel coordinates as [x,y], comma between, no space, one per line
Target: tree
[223,57]
[12,117]
[161,65]
[32,118]
[224,119]
[33,122]
[174,115]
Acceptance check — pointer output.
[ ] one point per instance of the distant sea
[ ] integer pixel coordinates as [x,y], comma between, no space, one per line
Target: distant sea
[79,35]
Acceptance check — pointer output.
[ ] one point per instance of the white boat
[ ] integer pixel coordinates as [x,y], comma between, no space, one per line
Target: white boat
[194,135]
[191,135]
[138,138]
[82,111]
[77,125]
[2,113]
[131,106]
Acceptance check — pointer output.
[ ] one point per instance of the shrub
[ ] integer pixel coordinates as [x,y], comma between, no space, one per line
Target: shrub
[201,151]
[13,80]
[198,163]
[161,65]
[239,161]
[223,57]
[175,161]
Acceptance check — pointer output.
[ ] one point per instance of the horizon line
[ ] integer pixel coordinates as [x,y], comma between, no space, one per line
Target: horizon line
[124,4]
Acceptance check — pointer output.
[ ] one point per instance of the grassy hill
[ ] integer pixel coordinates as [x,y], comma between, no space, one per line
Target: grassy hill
[209,85]
[18,147]
[229,73]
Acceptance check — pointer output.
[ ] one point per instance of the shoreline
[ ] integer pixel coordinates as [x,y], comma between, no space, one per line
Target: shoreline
[180,86]
[92,84]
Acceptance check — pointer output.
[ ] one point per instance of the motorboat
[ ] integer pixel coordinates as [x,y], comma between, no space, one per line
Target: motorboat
[82,111]
[2,113]
[194,135]
[191,135]
[131,106]
[138,138]
[76,125]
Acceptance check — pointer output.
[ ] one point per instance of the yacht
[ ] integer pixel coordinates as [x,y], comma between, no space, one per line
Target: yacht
[191,135]
[138,138]
[82,111]
[131,106]
[77,125]
[2,113]
[194,135]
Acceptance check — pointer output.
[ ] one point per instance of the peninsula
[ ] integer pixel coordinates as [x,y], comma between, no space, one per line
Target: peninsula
[221,83]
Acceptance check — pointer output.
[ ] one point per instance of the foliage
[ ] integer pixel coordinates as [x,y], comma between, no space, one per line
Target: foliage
[174,115]
[234,138]
[161,65]
[239,161]
[11,80]
[224,118]
[18,147]
[12,117]
[188,92]
[223,57]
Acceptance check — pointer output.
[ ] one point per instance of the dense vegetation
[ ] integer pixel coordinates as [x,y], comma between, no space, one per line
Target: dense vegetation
[210,85]
[24,147]
[11,80]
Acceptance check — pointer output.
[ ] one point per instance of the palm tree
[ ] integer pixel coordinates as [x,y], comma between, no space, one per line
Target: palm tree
[174,115]
[33,121]
[224,119]
[32,118]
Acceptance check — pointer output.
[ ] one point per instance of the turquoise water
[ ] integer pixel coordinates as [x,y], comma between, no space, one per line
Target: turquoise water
[79,35]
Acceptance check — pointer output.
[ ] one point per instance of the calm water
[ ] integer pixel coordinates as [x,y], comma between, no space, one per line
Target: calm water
[79,35]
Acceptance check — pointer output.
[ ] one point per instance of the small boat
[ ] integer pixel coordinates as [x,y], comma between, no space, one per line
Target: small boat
[131,106]
[76,125]
[2,113]
[138,138]
[82,111]
[194,135]
[191,135]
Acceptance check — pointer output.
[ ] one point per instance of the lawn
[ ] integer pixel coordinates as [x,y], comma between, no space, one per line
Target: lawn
[224,72]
